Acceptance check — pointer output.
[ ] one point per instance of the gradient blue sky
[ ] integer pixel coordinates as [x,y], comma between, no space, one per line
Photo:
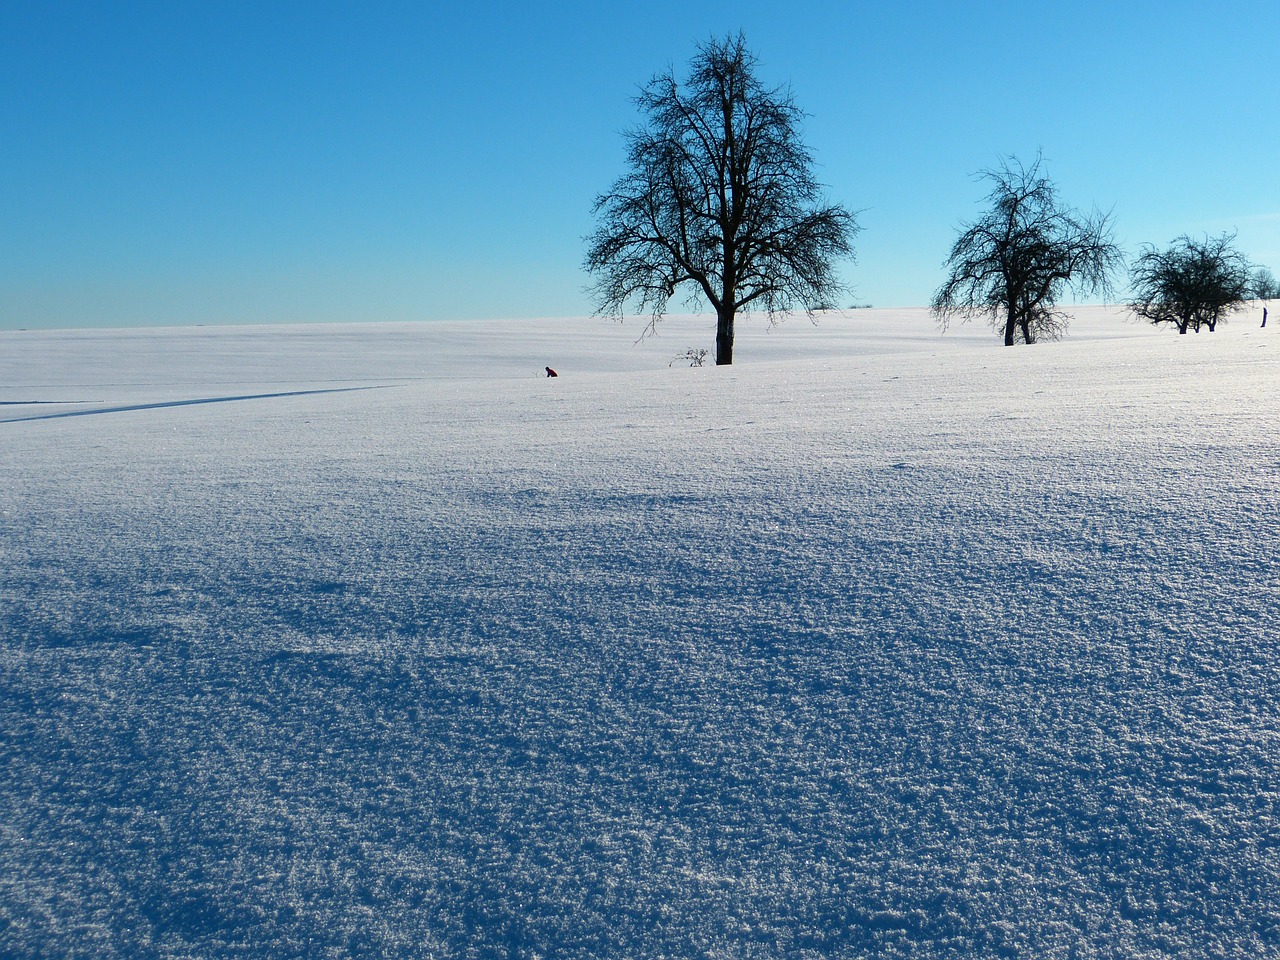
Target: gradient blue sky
[229,162]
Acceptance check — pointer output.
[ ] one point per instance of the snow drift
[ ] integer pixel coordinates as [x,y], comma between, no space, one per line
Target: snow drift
[372,641]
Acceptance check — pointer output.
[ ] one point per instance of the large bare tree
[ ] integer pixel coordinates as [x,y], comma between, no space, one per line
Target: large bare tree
[719,200]
[1023,255]
[1191,284]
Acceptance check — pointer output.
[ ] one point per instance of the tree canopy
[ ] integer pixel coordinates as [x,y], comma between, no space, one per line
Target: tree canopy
[719,200]
[1192,283]
[1024,254]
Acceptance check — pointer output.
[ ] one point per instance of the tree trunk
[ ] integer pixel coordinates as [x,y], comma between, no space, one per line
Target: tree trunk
[1010,326]
[724,336]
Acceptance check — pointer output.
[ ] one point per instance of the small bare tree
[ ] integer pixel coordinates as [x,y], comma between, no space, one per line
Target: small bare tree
[1023,255]
[694,356]
[1265,288]
[720,200]
[1192,284]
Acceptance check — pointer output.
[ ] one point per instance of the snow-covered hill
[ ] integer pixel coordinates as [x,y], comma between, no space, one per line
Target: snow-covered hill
[372,641]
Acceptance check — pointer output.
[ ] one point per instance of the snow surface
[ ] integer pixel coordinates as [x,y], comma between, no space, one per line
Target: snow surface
[371,641]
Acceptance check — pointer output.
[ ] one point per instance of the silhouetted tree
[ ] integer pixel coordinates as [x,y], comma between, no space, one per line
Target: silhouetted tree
[1192,284]
[720,200]
[1023,255]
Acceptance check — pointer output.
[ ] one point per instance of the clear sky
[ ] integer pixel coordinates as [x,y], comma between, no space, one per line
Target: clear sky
[224,161]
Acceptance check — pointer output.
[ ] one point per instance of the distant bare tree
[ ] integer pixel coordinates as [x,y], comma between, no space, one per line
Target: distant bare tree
[1265,288]
[719,199]
[1192,284]
[1263,284]
[1024,254]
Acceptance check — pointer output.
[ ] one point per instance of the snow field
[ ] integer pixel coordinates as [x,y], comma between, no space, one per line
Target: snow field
[879,643]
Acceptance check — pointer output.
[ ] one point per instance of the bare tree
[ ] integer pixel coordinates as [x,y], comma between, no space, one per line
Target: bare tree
[1192,284]
[1265,288]
[1023,255]
[719,200]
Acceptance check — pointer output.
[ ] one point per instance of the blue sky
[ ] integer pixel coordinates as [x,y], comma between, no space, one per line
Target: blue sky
[233,162]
